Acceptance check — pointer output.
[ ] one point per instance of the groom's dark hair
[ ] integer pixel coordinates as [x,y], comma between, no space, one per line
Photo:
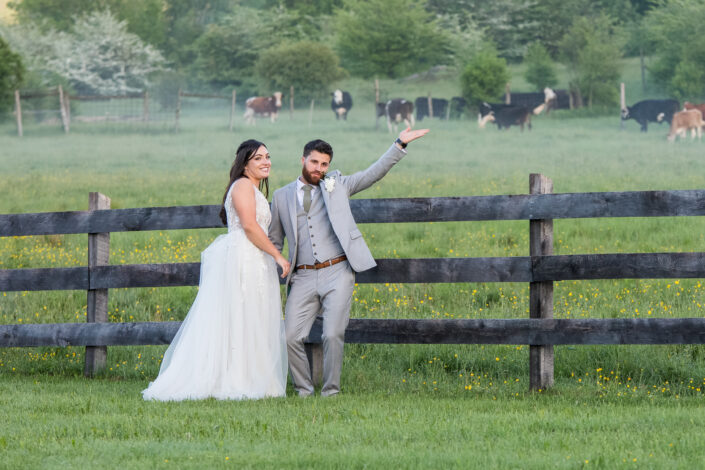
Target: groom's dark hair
[319,146]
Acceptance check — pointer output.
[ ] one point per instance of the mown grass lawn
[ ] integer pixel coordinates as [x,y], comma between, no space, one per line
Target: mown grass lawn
[405,405]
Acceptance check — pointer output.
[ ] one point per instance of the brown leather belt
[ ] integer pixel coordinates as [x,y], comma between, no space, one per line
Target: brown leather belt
[324,264]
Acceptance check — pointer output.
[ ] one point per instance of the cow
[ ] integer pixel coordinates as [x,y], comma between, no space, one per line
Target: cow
[506,115]
[688,105]
[691,119]
[396,110]
[458,105]
[647,111]
[341,104]
[263,106]
[440,108]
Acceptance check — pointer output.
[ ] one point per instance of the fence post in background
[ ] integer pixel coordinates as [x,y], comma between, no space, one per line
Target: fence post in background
[507,94]
[62,110]
[376,103]
[232,111]
[310,114]
[291,102]
[314,352]
[145,106]
[540,293]
[67,102]
[18,112]
[178,111]
[97,301]
[623,103]
[430,105]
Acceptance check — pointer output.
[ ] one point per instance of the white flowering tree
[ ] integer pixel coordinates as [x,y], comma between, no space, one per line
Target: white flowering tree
[98,55]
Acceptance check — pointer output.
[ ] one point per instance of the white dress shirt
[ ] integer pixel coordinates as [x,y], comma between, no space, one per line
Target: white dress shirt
[300,191]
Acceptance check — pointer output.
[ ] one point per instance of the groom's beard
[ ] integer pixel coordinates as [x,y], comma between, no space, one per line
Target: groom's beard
[312,178]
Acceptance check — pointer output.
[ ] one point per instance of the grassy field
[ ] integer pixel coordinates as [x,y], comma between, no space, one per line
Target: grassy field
[410,406]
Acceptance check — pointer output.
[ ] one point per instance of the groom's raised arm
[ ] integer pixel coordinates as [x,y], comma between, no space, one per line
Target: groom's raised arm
[375,172]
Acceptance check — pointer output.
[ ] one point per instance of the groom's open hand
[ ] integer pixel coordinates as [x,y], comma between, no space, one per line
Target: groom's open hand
[409,134]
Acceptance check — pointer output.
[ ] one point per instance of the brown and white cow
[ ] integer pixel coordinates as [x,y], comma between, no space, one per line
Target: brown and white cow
[396,110]
[691,119]
[263,106]
[688,105]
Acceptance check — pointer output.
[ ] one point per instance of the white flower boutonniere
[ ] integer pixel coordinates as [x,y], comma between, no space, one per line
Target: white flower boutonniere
[329,183]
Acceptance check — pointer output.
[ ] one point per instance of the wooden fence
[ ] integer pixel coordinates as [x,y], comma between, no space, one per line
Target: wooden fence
[541,268]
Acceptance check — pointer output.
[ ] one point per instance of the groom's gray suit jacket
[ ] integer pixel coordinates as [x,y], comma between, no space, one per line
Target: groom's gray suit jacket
[337,204]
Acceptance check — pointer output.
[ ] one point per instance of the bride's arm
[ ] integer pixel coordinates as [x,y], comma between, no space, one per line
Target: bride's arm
[243,198]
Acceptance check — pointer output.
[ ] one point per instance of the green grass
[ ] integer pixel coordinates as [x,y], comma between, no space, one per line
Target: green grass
[404,405]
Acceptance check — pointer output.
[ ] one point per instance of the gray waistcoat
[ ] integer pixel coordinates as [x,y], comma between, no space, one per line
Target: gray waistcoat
[316,239]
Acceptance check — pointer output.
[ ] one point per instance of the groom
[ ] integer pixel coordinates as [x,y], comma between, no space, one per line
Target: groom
[325,250]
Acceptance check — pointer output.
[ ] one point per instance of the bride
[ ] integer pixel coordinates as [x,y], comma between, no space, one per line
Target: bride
[231,345]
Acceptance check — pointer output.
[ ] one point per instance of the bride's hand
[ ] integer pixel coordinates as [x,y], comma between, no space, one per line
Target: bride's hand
[284,264]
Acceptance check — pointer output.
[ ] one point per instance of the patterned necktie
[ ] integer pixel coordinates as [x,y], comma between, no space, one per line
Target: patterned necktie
[307,197]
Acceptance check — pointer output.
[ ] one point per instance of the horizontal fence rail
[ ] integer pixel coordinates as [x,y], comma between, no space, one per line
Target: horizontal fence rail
[404,270]
[541,331]
[397,331]
[433,209]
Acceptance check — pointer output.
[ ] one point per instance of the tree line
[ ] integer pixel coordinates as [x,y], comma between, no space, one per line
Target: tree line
[256,46]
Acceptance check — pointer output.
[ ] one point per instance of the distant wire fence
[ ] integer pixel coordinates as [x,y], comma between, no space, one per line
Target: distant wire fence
[55,108]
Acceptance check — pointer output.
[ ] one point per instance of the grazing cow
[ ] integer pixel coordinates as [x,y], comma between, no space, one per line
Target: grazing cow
[691,119]
[263,106]
[506,115]
[396,110]
[341,104]
[458,105]
[647,111]
[700,107]
[440,108]
[534,101]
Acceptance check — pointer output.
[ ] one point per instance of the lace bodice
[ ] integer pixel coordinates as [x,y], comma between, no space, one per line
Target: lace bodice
[263,214]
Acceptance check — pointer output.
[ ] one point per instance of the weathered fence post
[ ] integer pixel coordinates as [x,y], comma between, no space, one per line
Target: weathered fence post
[97,301]
[291,102]
[232,111]
[310,114]
[178,110]
[430,106]
[540,293]
[62,110]
[623,103]
[145,106]
[376,103]
[18,112]
[507,94]
[314,352]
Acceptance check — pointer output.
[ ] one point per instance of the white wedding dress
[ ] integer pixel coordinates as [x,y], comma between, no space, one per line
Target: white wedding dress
[231,345]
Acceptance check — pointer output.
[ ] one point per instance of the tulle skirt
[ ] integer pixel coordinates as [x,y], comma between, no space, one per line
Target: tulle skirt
[231,345]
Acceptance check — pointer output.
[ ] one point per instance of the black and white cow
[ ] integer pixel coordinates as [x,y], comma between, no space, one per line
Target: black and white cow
[458,106]
[396,110]
[341,104]
[647,111]
[506,115]
[440,108]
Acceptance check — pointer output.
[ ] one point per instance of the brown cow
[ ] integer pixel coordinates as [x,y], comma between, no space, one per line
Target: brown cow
[683,121]
[263,106]
[701,107]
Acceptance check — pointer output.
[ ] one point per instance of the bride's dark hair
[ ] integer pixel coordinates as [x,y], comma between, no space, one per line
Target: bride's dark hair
[243,154]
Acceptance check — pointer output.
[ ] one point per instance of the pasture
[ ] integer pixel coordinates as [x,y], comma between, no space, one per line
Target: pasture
[404,405]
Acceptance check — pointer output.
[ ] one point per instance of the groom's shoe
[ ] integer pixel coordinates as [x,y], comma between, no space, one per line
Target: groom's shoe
[304,394]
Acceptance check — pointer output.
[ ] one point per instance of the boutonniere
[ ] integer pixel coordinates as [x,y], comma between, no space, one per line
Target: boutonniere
[329,183]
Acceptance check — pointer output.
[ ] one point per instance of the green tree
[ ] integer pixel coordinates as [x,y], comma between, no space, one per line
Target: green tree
[145,18]
[227,52]
[389,38]
[540,70]
[311,67]
[11,73]
[592,49]
[674,29]
[485,77]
